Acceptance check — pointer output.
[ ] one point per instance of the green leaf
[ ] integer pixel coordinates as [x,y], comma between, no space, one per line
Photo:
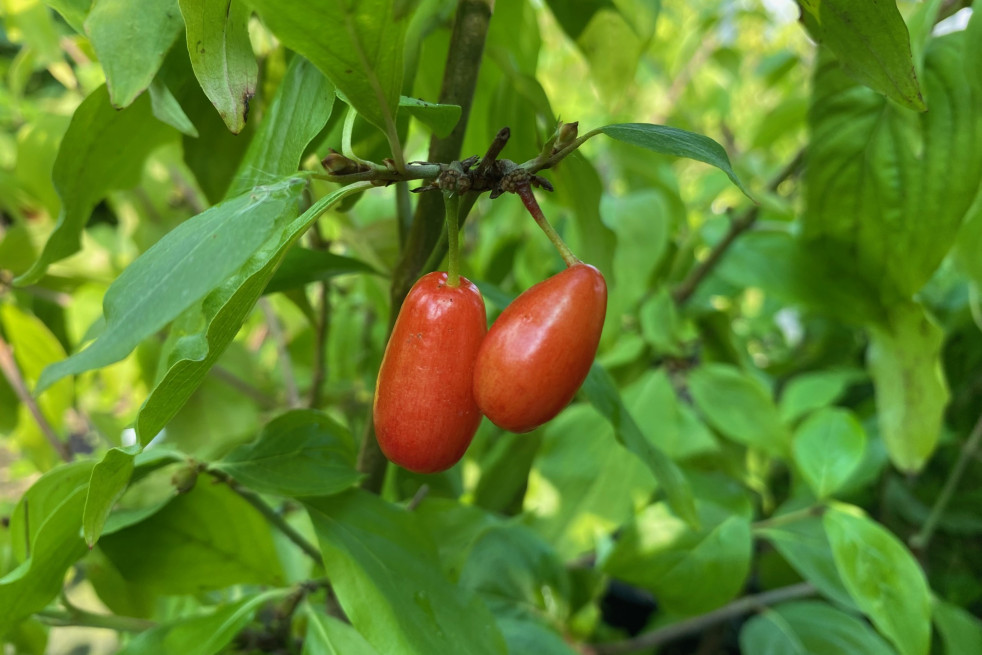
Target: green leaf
[738,407]
[180,269]
[386,576]
[580,189]
[44,529]
[662,554]
[300,453]
[301,266]
[806,548]
[203,332]
[883,578]
[808,392]
[103,149]
[525,635]
[904,360]
[828,448]
[613,49]
[669,422]
[441,119]
[602,393]
[221,55]
[887,189]
[109,480]
[73,11]
[871,42]
[131,38]
[208,538]
[202,634]
[168,110]
[327,635]
[810,627]
[574,17]
[357,44]
[673,141]
[660,323]
[960,631]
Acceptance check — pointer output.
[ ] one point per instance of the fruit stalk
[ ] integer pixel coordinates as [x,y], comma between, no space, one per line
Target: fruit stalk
[531,204]
[452,201]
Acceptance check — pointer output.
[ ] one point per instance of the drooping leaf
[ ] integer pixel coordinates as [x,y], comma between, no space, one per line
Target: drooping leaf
[600,389]
[385,573]
[207,538]
[358,44]
[180,269]
[904,360]
[828,448]
[221,55]
[810,627]
[883,579]
[439,118]
[103,149]
[871,42]
[674,141]
[107,484]
[130,38]
[302,266]
[300,453]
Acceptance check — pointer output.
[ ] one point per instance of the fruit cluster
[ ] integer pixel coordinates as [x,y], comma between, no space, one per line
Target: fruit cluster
[443,368]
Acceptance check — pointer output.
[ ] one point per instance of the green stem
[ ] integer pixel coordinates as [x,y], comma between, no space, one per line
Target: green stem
[82,618]
[452,201]
[790,517]
[528,198]
[921,540]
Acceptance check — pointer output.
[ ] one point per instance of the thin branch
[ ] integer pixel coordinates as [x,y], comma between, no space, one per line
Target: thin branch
[418,497]
[922,539]
[242,386]
[684,291]
[321,326]
[790,517]
[81,618]
[697,624]
[8,365]
[283,353]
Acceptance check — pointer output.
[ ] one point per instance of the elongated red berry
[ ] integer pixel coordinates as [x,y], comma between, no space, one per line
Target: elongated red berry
[424,412]
[539,350]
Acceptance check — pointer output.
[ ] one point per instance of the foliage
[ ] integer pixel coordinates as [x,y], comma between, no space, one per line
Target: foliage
[207,229]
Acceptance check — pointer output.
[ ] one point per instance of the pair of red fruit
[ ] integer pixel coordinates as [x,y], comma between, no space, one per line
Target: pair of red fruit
[443,368]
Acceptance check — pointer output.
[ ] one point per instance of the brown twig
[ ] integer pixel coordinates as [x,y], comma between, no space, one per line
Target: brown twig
[684,291]
[661,636]
[8,365]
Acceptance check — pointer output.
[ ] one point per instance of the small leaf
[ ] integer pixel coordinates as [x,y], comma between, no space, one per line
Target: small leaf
[168,110]
[660,323]
[673,141]
[130,38]
[358,45]
[300,453]
[221,55]
[738,407]
[828,448]
[302,266]
[810,627]
[107,484]
[191,260]
[602,393]
[871,41]
[808,392]
[387,578]
[904,359]
[91,162]
[441,119]
[327,635]
[202,634]
[883,578]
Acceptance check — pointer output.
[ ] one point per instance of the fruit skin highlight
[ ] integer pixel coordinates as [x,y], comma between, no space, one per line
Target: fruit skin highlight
[539,350]
[424,410]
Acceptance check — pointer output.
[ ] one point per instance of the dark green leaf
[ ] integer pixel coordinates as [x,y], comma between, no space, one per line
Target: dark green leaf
[439,118]
[828,448]
[104,149]
[327,635]
[208,538]
[600,389]
[960,631]
[130,38]
[300,453]
[107,484]
[883,578]
[302,266]
[871,41]
[810,628]
[526,635]
[385,573]
[221,54]
[202,634]
[180,269]
[673,141]
[358,45]
[573,17]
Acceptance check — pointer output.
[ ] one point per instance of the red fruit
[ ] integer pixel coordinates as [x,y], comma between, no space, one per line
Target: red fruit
[540,349]
[425,414]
